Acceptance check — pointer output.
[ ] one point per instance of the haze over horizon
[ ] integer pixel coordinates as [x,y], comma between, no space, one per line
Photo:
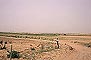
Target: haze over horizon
[45,16]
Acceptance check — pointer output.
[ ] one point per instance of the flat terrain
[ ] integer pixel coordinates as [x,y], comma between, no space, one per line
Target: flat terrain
[71,48]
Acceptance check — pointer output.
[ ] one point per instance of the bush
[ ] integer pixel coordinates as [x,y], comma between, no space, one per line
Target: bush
[87,44]
[14,54]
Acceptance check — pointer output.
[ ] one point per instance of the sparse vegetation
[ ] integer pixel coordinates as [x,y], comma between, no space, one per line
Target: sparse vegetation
[86,44]
[14,54]
[38,47]
[42,36]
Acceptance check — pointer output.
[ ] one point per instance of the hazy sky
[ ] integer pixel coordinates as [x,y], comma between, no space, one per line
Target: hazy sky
[45,16]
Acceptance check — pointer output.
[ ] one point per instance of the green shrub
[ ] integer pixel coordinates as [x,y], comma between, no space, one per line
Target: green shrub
[14,54]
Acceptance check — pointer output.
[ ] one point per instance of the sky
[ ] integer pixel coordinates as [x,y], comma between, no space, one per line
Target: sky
[45,16]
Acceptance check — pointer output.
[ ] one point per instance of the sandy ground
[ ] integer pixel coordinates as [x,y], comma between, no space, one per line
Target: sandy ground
[79,52]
